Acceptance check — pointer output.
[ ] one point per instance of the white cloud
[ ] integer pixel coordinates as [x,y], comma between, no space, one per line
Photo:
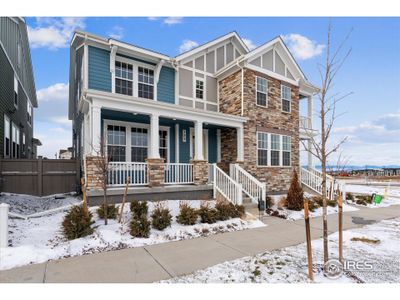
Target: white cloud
[173,20]
[55,92]
[249,43]
[302,47]
[62,120]
[117,32]
[152,18]
[187,45]
[54,33]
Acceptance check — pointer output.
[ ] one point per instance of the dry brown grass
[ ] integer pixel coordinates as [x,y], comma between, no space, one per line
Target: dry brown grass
[365,240]
[282,202]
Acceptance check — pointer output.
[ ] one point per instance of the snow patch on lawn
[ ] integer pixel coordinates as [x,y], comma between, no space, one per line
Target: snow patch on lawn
[289,265]
[393,194]
[38,240]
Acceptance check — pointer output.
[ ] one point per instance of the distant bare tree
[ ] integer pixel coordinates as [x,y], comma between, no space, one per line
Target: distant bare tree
[328,115]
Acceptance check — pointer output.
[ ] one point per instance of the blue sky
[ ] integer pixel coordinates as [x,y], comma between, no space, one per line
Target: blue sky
[372,72]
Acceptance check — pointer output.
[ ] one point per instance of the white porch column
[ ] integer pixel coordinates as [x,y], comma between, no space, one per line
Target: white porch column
[310,162]
[177,143]
[310,111]
[86,134]
[240,144]
[198,138]
[96,130]
[154,137]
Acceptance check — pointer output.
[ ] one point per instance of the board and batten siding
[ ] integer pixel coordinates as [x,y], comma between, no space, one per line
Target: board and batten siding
[99,69]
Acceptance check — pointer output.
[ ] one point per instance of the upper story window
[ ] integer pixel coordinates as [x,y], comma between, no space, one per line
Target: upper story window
[261,91]
[29,110]
[6,136]
[123,78]
[15,91]
[145,83]
[19,55]
[116,142]
[286,97]
[199,89]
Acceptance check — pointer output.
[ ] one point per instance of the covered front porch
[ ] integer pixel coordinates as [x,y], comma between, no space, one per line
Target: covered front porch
[156,146]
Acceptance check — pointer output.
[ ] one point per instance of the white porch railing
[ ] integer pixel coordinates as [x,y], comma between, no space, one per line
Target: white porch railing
[178,173]
[255,189]
[226,186]
[312,178]
[210,173]
[119,172]
[305,122]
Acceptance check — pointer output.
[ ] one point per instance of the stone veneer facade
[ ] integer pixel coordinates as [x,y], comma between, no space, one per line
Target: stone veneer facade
[155,167]
[269,119]
[93,181]
[200,171]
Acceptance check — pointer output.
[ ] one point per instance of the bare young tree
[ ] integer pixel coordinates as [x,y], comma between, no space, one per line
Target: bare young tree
[334,60]
[102,164]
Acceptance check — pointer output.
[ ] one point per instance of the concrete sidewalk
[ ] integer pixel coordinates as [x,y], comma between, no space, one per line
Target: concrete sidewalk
[163,261]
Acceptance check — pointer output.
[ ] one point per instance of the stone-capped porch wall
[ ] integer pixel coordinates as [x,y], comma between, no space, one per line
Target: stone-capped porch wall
[269,119]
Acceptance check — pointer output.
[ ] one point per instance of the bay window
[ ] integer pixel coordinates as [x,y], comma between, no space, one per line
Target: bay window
[273,150]
[286,97]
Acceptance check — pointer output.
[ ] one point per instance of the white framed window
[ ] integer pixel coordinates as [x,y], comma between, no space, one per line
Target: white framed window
[199,89]
[123,78]
[145,83]
[7,140]
[139,144]
[286,98]
[116,142]
[261,91]
[15,91]
[286,150]
[29,110]
[130,141]
[262,149]
[23,143]
[273,150]
[15,140]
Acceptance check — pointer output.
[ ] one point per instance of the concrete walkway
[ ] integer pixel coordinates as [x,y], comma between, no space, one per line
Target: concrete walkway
[163,261]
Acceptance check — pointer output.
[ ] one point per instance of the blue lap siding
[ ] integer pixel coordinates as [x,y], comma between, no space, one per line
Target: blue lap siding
[99,69]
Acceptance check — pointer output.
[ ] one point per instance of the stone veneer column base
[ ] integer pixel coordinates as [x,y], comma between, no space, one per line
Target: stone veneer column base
[200,171]
[156,167]
[92,175]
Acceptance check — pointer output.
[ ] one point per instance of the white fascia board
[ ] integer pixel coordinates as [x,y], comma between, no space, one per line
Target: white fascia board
[133,104]
[271,74]
[211,44]
[307,88]
[146,52]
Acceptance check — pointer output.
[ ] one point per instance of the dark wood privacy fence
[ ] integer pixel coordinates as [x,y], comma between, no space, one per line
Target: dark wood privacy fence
[39,177]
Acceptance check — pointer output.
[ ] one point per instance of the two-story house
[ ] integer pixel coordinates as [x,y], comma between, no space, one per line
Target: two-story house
[17,91]
[217,114]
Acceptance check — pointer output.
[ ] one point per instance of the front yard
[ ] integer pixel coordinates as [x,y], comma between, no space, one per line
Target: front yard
[377,244]
[40,239]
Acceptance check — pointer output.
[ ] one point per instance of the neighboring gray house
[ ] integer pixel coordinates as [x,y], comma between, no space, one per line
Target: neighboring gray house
[17,91]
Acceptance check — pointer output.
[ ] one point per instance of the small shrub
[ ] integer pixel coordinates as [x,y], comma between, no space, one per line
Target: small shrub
[282,202]
[161,217]
[187,215]
[331,203]
[269,202]
[295,197]
[365,198]
[140,227]
[139,208]
[313,205]
[112,211]
[76,223]
[226,210]
[207,214]
[350,196]
[240,211]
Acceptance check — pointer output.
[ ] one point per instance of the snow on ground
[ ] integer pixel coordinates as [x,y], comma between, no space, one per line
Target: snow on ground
[289,265]
[393,193]
[297,215]
[38,240]
[27,204]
